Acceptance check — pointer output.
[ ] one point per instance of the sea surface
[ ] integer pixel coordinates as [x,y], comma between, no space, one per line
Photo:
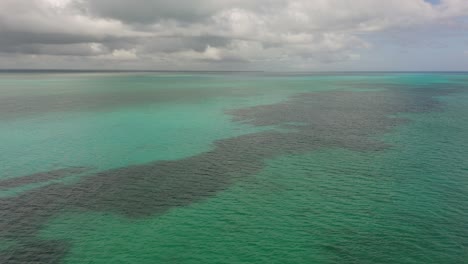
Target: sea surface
[187,167]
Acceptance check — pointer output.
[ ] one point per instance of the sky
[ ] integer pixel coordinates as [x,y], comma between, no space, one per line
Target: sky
[266,35]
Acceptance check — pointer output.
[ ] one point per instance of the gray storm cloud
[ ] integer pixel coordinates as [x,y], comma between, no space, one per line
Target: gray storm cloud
[190,34]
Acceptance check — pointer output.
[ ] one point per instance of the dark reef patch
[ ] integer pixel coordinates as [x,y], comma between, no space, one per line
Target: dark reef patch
[12,107]
[39,251]
[313,121]
[40,177]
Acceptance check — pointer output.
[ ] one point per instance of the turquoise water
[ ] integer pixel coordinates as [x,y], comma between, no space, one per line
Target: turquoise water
[233,168]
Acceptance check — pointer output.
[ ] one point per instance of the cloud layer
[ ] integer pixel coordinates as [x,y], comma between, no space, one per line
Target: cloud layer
[210,34]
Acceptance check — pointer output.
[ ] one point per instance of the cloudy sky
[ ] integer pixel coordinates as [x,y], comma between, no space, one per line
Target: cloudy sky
[296,35]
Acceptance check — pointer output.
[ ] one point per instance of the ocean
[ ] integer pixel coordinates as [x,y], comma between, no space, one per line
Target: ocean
[241,167]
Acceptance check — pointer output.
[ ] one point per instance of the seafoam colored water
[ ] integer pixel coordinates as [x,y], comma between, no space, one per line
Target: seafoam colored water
[233,168]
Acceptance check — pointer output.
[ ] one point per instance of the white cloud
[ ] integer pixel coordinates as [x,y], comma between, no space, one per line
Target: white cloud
[121,54]
[58,17]
[315,31]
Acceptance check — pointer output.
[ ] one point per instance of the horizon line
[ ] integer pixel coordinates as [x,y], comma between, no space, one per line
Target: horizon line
[219,71]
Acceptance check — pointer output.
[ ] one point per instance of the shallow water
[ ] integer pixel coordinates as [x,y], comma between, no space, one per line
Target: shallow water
[233,168]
